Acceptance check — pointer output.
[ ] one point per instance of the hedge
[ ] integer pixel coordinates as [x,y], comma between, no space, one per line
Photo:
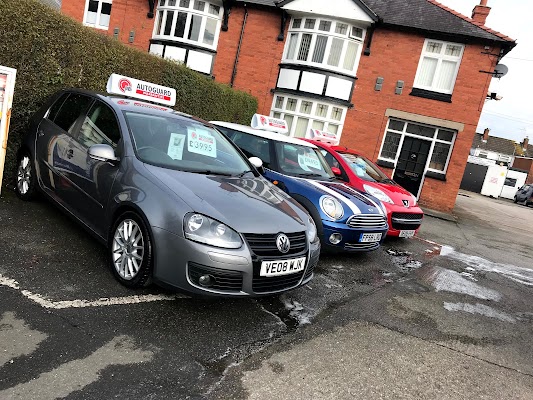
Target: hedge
[51,51]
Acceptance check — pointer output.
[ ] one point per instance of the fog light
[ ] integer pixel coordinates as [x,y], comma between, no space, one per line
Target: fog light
[335,238]
[206,280]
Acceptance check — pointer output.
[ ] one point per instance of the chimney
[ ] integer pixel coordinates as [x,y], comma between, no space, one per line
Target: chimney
[486,135]
[481,12]
[526,143]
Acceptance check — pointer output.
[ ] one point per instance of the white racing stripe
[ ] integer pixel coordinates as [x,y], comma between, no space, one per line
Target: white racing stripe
[366,197]
[82,303]
[332,192]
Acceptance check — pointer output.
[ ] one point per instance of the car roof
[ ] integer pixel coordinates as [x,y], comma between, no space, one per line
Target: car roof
[333,148]
[261,133]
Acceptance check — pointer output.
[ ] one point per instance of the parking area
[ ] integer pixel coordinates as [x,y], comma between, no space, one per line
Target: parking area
[444,315]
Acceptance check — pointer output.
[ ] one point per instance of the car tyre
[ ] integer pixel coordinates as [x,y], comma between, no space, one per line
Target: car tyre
[26,179]
[131,251]
[515,200]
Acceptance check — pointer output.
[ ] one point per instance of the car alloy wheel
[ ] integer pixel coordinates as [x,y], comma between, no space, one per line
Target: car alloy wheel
[128,249]
[25,185]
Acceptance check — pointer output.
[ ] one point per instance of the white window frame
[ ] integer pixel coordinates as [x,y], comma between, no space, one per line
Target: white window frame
[163,8]
[98,14]
[440,58]
[347,37]
[433,140]
[311,116]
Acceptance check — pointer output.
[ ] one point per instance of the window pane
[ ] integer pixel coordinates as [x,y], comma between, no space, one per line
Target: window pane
[396,125]
[199,5]
[291,104]
[321,110]
[318,125]
[194,29]
[158,23]
[180,24]
[453,50]
[341,28]
[439,157]
[427,72]
[71,110]
[310,23]
[446,75]
[336,113]
[351,55]
[215,10]
[277,115]
[324,26]
[434,47]
[288,120]
[172,3]
[297,23]
[304,47]
[105,15]
[320,49]
[106,9]
[168,24]
[357,32]
[445,135]
[279,102]
[184,3]
[305,107]
[301,127]
[335,52]
[91,12]
[100,126]
[420,130]
[333,128]
[390,145]
[292,46]
[209,32]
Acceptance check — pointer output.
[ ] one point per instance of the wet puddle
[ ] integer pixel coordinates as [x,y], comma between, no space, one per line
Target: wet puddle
[480,309]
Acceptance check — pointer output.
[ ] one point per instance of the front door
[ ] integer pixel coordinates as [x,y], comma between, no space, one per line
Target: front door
[411,164]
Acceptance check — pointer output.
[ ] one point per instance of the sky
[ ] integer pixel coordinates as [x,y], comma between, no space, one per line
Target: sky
[511,117]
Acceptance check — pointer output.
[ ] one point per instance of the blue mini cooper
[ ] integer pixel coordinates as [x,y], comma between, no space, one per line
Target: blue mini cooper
[346,219]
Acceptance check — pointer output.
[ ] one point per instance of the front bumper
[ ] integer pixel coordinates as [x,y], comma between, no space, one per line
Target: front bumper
[178,263]
[403,219]
[351,237]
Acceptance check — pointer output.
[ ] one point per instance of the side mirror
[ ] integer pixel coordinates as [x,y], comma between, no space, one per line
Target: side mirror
[257,163]
[336,171]
[103,152]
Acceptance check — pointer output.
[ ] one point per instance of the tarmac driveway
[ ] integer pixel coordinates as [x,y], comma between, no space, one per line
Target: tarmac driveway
[445,315]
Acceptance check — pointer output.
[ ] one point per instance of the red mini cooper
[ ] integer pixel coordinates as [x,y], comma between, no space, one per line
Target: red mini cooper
[403,213]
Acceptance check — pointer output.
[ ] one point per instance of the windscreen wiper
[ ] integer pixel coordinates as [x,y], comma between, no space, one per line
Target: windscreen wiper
[243,173]
[209,172]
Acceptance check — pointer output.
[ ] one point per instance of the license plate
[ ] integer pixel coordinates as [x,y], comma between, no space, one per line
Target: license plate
[370,237]
[407,234]
[282,267]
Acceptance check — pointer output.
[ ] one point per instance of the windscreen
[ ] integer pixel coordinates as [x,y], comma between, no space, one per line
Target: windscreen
[302,161]
[183,144]
[364,168]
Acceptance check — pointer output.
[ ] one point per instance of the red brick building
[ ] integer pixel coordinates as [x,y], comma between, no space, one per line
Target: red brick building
[403,81]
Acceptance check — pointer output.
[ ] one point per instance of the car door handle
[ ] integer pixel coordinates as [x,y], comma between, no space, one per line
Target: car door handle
[40,133]
[70,153]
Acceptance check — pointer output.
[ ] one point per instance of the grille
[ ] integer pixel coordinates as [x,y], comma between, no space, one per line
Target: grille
[366,221]
[265,245]
[264,284]
[225,280]
[406,221]
[361,246]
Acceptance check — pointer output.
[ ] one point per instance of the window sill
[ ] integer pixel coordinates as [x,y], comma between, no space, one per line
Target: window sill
[102,28]
[436,175]
[385,164]
[182,43]
[428,94]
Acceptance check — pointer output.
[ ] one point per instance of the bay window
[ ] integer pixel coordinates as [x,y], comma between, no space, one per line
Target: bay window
[326,44]
[97,13]
[439,66]
[303,114]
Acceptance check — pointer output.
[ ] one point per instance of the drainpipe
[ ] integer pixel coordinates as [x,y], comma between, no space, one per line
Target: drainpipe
[234,74]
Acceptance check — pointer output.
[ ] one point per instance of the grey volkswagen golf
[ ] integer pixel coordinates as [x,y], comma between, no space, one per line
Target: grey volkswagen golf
[173,199]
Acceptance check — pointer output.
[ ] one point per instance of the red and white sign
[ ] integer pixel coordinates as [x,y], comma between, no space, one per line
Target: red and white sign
[325,137]
[269,124]
[134,88]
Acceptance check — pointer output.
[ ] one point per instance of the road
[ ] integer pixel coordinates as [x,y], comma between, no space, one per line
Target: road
[445,315]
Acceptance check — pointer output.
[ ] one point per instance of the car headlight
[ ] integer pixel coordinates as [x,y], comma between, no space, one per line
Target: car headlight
[415,200]
[311,230]
[377,193]
[202,229]
[331,207]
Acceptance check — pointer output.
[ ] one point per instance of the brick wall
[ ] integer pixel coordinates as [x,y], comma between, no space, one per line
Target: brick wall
[126,15]
[395,56]
[525,164]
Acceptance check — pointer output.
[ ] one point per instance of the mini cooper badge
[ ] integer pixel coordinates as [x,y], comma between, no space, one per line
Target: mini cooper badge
[283,243]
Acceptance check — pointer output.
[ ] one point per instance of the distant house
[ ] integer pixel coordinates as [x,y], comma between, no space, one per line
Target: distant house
[399,80]
[524,159]
[500,150]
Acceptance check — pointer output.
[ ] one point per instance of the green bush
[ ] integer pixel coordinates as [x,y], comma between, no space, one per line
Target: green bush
[51,51]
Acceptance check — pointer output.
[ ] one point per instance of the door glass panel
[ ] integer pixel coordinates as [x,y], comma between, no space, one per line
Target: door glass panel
[390,145]
[439,157]
[396,125]
[71,111]
[445,135]
[99,127]
[420,130]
